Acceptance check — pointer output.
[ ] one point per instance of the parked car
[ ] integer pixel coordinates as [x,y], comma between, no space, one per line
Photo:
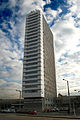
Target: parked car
[50,110]
[46,110]
[32,112]
[55,109]
[8,111]
[21,111]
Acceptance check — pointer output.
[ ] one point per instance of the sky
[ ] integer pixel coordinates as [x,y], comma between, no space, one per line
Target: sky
[63,17]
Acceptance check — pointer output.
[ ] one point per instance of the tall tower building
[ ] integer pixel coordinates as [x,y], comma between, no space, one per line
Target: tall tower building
[39,77]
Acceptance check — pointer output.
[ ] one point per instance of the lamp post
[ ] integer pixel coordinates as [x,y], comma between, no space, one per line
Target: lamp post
[19,98]
[69,108]
[67,86]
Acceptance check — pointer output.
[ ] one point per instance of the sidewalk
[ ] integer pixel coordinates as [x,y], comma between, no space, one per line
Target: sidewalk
[53,115]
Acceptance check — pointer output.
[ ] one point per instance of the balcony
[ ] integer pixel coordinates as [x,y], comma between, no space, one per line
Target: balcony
[34,21]
[32,30]
[33,24]
[33,27]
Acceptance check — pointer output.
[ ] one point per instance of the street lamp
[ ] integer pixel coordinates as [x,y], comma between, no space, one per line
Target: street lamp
[19,97]
[68,95]
[67,86]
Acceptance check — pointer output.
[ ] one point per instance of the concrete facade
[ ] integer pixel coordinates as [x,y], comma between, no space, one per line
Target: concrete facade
[39,76]
[49,66]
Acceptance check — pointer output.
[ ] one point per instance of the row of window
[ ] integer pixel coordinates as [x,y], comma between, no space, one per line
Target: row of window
[34,63]
[31,86]
[31,81]
[32,72]
[32,34]
[33,14]
[32,30]
[31,48]
[31,62]
[32,44]
[32,91]
[34,55]
[33,59]
[34,51]
[32,37]
[32,68]
[32,18]
[33,27]
[34,23]
[32,76]
[33,40]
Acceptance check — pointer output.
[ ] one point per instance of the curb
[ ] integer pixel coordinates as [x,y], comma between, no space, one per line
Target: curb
[50,116]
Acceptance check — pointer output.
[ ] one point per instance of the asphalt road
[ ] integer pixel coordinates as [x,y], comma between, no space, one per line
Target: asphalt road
[10,116]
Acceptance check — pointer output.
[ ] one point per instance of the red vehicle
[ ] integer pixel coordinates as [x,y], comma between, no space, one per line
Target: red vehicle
[46,110]
[32,112]
[50,110]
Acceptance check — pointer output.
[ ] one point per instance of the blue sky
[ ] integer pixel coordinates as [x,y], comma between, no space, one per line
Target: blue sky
[63,17]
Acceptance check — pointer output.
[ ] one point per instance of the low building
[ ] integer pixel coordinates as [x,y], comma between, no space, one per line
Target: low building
[11,103]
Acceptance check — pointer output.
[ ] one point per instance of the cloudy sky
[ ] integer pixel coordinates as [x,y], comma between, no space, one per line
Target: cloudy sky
[63,17]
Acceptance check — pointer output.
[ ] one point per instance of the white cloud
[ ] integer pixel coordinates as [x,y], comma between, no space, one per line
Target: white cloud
[51,14]
[10,92]
[75,7]
[66,36]
[48,1]
[27,6]
[12,3]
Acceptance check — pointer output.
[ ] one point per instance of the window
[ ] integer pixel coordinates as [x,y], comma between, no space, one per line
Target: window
[33,27]
[29,60]
[30,68]
[29,19]
[31,91]
[30,41]
[33,24]
[32,81]
[33,14]
[32,51]
[36,47]
[32,34]
[32,76]
[33,30]
[31,72]
[31,86]
[32,44]
[32,37]
[32,55]
[34,63]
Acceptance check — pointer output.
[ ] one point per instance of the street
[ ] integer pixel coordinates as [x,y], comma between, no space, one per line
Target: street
[10,116]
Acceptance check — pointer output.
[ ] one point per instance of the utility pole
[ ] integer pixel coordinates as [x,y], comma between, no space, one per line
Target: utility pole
[19,98]
[69,108]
